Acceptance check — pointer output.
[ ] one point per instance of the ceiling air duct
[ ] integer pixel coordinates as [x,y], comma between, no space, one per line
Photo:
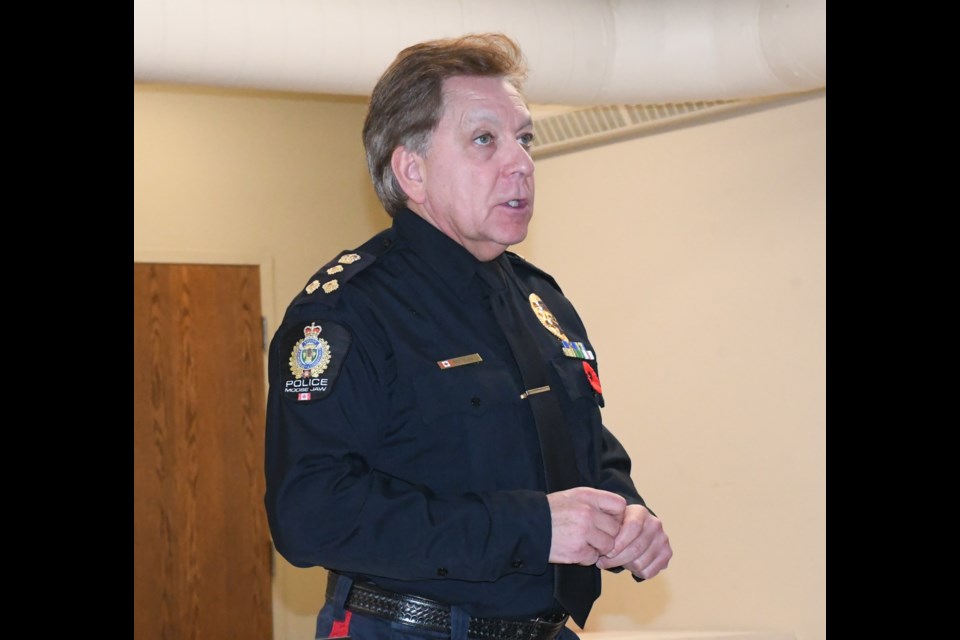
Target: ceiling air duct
[582,53]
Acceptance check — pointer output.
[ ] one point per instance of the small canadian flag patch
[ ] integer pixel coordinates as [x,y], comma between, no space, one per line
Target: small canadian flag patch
[303,396]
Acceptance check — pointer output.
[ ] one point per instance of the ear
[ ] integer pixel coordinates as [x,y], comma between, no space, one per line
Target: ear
[408,168]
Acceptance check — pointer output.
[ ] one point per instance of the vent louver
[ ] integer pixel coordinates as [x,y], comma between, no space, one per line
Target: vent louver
[594,125]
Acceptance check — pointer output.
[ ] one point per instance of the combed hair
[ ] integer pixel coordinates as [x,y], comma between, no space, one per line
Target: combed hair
[407,101]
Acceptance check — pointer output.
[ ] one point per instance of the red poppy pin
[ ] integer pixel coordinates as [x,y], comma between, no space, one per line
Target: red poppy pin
[592,377]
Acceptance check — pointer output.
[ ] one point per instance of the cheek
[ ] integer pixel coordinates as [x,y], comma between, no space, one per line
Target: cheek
[470,187]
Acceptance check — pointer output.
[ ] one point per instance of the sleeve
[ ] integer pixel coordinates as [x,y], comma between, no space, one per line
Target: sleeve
[328,504]
[615,468]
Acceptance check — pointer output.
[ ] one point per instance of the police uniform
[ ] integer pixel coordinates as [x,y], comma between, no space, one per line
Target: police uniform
[399,451]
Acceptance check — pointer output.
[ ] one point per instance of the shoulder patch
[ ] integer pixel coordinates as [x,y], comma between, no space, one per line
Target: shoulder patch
[518,261]
[311,355]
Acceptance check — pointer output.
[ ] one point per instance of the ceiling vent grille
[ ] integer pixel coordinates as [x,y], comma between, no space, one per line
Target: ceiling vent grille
[590,126]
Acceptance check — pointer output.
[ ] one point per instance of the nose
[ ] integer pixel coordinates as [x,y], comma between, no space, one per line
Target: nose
[518,161]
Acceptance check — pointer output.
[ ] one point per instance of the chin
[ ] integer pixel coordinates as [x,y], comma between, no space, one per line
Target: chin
[514,231]
[515,239]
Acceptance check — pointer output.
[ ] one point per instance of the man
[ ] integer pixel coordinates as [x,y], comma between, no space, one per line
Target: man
[433,426]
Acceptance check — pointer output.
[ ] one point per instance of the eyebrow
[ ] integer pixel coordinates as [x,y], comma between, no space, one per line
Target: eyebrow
[479,116]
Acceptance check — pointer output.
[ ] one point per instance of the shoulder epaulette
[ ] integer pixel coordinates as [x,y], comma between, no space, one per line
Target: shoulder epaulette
[519,261]
[326,282]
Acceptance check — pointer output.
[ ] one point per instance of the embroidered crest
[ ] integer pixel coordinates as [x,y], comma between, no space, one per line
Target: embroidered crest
[350,258]
[330,287]
[311,354]
[313,363]
[313,286]
[337,268]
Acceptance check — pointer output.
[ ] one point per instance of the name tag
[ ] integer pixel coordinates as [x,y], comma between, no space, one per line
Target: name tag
[459,362]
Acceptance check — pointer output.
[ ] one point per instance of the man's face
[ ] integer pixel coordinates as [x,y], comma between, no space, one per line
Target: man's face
[477,172]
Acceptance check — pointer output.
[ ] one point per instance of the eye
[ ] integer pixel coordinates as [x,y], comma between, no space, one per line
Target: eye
[483,139]
[526,140]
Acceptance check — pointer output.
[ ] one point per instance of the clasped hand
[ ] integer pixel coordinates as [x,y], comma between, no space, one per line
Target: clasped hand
[595,527]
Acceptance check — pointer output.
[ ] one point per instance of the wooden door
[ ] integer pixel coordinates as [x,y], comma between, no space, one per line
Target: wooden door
[202,549]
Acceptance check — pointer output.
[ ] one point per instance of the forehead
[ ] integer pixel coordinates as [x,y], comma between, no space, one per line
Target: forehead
[482,97]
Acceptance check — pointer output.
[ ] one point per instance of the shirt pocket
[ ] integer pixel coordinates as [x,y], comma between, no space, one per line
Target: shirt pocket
[575,381]
[471,390]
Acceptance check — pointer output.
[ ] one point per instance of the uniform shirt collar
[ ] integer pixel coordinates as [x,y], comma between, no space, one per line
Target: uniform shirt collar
[449,259]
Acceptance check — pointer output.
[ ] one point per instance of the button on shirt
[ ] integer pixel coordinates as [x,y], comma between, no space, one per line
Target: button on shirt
[420,477]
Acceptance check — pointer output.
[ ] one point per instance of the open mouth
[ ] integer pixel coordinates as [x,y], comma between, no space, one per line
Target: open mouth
[516,203]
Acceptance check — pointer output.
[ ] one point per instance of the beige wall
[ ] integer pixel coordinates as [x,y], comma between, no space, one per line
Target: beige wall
[697,258]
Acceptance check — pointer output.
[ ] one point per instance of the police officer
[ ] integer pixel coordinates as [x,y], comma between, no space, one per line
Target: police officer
[434,436]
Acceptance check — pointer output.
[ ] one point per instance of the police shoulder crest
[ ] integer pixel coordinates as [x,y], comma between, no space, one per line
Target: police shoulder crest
[312,365]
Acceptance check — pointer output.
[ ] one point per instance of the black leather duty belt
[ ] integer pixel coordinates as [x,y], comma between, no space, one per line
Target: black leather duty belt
[423,613]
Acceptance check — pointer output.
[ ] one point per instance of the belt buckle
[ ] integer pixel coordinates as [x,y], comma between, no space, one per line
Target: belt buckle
[548,621]
[535,632]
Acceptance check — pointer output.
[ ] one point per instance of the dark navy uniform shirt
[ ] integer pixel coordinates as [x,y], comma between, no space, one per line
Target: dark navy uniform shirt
[387,458]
